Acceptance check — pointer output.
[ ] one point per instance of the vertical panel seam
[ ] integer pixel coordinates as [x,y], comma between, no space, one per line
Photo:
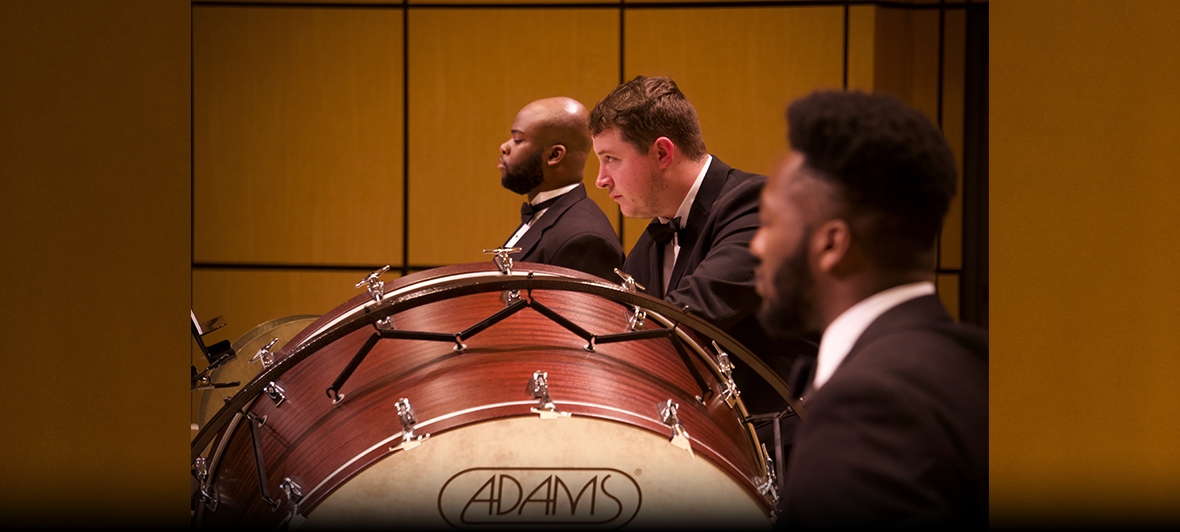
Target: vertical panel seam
[405,138]
[622,75]
[847,8]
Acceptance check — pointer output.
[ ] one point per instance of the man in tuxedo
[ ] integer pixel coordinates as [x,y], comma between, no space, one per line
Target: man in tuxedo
[695,253]
[896,433]
[545,159]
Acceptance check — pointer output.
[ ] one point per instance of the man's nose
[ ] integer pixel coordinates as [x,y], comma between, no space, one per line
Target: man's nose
[504,148]
[602,180]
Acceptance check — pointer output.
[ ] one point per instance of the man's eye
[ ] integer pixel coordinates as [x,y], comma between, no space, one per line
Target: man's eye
[518,141]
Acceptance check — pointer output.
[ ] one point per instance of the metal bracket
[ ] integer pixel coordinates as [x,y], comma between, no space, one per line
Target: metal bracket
[636,316]
[510,297]
[729,389]
[217,354]
[501,259]
[275,392]
[629,283]
[264,355]
[667,411]
[376,287]
[539,386]
[770,486]
[410,437]
[294,491]
[201,472]
[204,380]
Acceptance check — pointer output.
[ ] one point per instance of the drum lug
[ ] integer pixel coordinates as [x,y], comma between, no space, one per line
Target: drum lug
[294,491]
[539,386]
[629,284]
[501,258]
[201,472]
[510,297]
[375,286]
[410,437]
[729,389]
[636,317]
[264,355]
[770,486]
[667,410]
[276,393]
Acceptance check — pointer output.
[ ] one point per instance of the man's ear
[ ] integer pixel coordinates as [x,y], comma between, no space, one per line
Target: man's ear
[665,151]
[833,248]
[556,154]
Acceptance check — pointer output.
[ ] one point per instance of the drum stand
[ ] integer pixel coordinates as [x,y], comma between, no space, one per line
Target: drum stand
[216,355]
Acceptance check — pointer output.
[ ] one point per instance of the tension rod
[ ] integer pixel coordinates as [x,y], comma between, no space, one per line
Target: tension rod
[259,461]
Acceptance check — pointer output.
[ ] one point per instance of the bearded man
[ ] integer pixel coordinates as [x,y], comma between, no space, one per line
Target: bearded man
[545,159]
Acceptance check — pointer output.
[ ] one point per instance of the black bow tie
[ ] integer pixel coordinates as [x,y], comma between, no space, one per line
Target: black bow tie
[527,209]
[662,233]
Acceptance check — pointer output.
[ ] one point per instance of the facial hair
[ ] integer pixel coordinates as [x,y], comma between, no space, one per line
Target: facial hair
[525,176]
[788,311]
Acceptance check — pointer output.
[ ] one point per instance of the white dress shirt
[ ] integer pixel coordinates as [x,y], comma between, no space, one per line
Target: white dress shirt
[671,253]
[846,329]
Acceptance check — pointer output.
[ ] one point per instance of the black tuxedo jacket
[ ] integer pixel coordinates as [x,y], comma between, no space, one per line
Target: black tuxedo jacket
[573,233]
[898,436]
[714,276]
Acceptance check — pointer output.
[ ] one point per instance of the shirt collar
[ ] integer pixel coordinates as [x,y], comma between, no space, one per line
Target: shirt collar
[846,329]
[547,195]
[686,205]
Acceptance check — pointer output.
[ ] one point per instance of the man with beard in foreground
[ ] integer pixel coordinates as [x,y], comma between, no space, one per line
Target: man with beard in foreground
[545,159]
[896,433]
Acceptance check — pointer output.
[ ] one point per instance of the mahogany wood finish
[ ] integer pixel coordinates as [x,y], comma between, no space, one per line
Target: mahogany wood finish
[324,444]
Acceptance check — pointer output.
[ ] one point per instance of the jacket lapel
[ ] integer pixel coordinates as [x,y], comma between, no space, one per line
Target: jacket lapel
[532,237]
[702,206]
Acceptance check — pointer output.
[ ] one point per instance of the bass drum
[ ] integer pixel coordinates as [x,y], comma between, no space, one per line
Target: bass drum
[472,397]
[239,369]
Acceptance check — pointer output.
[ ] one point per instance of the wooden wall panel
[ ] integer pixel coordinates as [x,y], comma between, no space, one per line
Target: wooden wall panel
[947,285]
[298,135]
[893,52]
[740,68]
[1085,352]
[953,99]
[469,76]
[94,211]
[862,26]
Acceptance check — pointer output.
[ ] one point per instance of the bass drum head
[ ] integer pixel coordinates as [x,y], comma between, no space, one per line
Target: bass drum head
[239,369]
[532,473]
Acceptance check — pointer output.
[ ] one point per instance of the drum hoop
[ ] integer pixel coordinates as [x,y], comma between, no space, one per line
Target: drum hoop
[451,286]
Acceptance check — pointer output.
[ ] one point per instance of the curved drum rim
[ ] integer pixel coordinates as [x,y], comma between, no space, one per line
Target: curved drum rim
[440,284]
[479,277]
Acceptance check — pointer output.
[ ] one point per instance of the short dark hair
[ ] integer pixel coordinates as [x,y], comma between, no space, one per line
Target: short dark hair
[645,109]
[888,159]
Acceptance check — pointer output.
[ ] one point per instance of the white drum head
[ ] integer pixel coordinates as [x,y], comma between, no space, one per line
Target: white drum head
[526,473]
